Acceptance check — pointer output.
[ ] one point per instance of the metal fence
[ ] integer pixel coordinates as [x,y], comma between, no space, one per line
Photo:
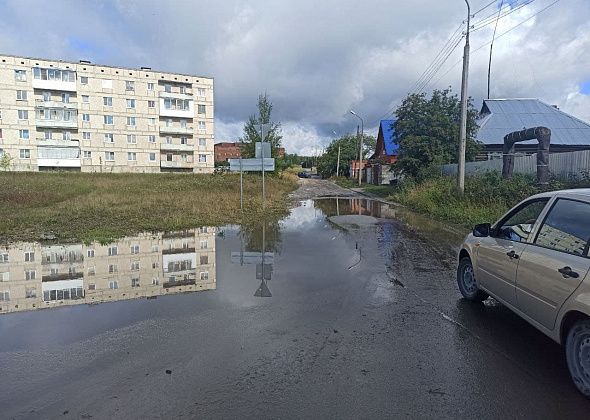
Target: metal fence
[568,165]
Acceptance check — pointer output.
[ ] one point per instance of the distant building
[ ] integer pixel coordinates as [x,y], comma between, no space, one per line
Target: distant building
[379,169]
[227,150]
[354,168]
[499,117]
[280,153]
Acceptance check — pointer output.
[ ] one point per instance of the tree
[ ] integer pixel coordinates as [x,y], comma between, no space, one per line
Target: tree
[5,161]
[427,131]
[272,130]
[349,150]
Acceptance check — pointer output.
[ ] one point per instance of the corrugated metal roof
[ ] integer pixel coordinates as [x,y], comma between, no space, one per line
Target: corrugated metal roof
[388,131]
[499,117]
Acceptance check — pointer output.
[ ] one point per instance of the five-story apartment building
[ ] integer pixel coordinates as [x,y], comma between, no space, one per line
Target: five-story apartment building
[94,118]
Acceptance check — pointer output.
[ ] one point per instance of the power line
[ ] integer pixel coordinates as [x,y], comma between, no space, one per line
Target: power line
[485,7]
[494,18]
[426,83]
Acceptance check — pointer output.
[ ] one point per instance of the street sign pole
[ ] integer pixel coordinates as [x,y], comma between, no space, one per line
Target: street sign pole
[262,162]
[241,185]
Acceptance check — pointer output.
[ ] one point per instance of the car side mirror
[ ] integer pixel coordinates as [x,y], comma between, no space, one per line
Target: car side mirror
[482,230]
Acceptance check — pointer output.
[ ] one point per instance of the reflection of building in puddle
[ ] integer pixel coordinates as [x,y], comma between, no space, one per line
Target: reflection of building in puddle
[34,276]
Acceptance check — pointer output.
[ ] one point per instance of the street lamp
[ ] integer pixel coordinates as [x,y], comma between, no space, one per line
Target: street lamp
[360,143]
[338,161]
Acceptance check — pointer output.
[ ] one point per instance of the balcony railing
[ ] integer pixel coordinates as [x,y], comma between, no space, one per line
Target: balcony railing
[175,164]
[187,95]
[178,147]
[176,130]
[43,142]
[40,103]
[56,123]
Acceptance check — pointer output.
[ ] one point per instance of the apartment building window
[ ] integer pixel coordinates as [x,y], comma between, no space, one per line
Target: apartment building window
[131,138]
[183,90]
[168,140]
[135,266]
[107,84]
[109,156]
[1,151]
[23,114]
[155,265]
[202,125]
[4,257]
[4,296]
[169,122]
[182,123]
[135,249]
[200,109]
[129,85]
[183,157]
[5,276]
[92,286]
[21,95]
[66,135]
[202,142]
[109,138]
[90,253]
[29,256]
[107,100]
[87,154]
[20,75]
[168,157]
[176,104]
[152,157]
[46,96]
[48,134]
[113,284]
[131,121]
[204,275]
[54,74]
[85,99]
[131,156]
[155,281]
[204,244]
[151,138]
[150,87]
[184,140]
[151,104]
[130,103]
[151,121]
[23,134]
[65,98]
[54,271]
[30,274]
[30,293]
[201,92]
[25,153]
[108,119]
[135,282]
[113,268]
[168,88]
[86,117]
[84,80]
[86,135]
[203,158]
[204,259]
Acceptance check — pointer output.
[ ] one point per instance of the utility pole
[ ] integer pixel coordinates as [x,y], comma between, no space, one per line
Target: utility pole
[338,161]
[360,143]
[463,127]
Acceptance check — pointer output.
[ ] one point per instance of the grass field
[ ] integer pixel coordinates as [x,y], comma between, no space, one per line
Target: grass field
[82,206]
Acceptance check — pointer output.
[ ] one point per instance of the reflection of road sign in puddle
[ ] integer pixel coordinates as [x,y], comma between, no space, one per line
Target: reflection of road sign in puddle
[263,290]
[252,258]
[263,271]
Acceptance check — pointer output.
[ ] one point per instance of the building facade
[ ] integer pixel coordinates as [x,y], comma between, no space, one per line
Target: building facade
[227,150]
[94,118]
[35,276]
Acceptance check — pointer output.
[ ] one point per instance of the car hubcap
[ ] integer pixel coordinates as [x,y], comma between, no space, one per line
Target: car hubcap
[584,357]
[579,359]
[469,280]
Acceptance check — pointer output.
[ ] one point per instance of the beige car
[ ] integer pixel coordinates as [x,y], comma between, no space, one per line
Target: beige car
[535,261]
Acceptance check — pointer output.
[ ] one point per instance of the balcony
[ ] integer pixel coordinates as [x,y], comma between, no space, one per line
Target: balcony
[178,147]
[47,123]
[40,103]
[43,142]
[178,95]
[175,164]
[58,157]
[60,84]
[176,107]
[176,130]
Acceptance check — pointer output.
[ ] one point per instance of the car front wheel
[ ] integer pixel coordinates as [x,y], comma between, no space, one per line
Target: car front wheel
[577,350]
[466,281]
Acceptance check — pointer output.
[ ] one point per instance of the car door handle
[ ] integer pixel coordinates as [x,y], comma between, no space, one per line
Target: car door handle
[512,254]
[568,272]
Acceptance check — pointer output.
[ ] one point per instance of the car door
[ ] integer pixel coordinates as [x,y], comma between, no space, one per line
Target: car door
[498,255]
[555,264]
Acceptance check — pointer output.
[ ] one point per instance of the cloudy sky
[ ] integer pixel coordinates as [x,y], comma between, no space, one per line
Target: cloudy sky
[317,59]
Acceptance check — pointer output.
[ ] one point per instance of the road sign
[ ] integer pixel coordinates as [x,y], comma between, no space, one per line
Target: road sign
[252,257]
[251,165]
[265,150]
[267,270]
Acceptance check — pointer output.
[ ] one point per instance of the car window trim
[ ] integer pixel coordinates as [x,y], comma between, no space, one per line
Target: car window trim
[534,242]
[500,222]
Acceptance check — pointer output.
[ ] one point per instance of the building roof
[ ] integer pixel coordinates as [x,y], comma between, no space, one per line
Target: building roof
[499,117]
[386,129]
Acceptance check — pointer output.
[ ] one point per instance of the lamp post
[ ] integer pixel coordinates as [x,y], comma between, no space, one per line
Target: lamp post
[360,143]
[338,161]
[463,126]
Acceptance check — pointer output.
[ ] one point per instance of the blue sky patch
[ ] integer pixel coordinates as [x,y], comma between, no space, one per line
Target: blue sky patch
[585,87]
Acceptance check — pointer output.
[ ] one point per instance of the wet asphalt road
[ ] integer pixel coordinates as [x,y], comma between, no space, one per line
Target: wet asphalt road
[364,321]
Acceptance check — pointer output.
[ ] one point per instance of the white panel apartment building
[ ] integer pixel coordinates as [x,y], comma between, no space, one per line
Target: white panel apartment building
[93,118]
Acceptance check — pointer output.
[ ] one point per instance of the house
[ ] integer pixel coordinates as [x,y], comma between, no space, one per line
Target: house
[378,170]
[499,117]
[226,150]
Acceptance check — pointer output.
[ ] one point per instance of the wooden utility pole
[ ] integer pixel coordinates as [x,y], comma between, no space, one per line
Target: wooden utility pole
[463,127]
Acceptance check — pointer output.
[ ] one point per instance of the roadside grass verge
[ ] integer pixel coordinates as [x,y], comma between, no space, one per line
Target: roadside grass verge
[103,207]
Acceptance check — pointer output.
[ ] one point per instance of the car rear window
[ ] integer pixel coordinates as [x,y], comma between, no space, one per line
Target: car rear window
[566,228]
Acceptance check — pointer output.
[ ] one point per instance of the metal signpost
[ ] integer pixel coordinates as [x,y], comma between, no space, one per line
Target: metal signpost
[261,163]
